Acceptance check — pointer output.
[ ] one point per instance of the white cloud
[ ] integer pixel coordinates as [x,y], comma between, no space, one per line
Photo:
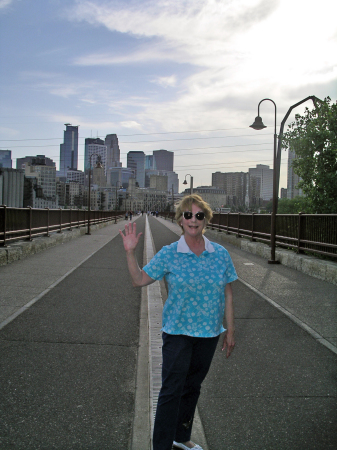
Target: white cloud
[241,45]
[241,51]
[131,124]
[194,31]
[143,55]
[5,3]
[165,82]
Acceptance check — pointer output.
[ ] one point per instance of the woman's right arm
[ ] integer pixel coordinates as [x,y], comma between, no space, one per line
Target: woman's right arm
[130,241]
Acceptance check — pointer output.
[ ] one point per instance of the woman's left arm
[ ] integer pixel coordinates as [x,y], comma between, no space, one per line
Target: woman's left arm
[229,341]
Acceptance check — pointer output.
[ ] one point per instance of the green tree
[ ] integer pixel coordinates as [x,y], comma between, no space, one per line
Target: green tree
[313,138]
[294,206]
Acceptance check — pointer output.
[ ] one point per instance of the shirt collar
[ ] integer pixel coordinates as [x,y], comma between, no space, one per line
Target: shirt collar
[184,248]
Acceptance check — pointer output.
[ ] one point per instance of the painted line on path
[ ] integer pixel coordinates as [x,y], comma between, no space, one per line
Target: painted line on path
[292,317]
[155,305]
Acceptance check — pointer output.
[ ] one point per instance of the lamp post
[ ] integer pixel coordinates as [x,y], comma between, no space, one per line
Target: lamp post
[89,198]
[120,184]
[172,200]
[191,182]
[259,125]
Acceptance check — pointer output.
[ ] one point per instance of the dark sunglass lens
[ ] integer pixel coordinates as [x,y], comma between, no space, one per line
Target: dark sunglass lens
[200,215]
[188,215]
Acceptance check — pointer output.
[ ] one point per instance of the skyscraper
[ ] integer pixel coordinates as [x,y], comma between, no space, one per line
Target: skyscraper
[261,183]
[33,160]
[113,152]
[6,159]
[293,179]
[95,147]
[163,160]
[136,162]
[234,184]
[69,150]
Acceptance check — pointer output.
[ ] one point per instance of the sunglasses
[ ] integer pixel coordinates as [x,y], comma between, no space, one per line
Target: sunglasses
[188,215]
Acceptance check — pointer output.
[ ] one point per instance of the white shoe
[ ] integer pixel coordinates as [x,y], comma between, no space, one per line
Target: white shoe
[177,445]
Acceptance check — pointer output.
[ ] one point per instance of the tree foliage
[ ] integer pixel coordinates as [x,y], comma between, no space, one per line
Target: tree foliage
[294,205]
[313,138]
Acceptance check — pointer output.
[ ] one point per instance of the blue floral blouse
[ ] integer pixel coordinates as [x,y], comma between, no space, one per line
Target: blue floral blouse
[196,287]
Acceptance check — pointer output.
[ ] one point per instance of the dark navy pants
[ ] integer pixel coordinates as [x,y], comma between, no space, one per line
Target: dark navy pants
[186,361]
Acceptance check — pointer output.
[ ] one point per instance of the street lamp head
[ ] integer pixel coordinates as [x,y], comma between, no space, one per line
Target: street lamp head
[258,124]
[185,182]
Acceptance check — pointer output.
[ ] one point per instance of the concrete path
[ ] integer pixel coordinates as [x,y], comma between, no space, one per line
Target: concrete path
[278,389]
[69,361]
[74,354]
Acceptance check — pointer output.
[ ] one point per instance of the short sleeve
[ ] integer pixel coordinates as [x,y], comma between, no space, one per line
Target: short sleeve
[230,269]
[157,267]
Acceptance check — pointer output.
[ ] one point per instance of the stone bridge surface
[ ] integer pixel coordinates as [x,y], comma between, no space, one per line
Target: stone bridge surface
[80,352]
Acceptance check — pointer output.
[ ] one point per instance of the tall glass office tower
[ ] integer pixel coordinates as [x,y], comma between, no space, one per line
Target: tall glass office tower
[6,158]
[69,150]
[136,162]
[113,151]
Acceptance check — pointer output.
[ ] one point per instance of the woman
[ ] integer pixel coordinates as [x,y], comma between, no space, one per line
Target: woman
[198,274]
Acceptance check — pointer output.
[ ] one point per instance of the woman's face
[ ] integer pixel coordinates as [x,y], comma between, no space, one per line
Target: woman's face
[193,227]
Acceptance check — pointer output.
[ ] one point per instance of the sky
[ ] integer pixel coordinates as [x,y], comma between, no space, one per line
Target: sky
[181,75]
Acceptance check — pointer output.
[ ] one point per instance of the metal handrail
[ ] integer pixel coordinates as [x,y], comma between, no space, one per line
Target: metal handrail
[28,223]
[314,233]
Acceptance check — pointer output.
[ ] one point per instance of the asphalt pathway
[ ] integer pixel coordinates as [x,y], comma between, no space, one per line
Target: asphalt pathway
[68,363]
[278,389]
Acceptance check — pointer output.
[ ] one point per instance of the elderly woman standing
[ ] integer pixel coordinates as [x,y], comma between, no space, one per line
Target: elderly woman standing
[198,274]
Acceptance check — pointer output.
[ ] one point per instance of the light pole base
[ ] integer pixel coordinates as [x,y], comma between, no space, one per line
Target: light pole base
[273,261]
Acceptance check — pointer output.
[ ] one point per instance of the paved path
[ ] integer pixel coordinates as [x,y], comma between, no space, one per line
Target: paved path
[74,363]
[278,389]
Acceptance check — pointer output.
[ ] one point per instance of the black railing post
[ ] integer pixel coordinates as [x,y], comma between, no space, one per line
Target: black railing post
[5,224]
[252,238]
[238,233]
[47,222]
[30,222]
[60,230]
[299,231]
[70,219]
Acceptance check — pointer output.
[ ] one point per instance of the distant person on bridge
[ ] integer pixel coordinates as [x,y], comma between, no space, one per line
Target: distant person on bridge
[198,274]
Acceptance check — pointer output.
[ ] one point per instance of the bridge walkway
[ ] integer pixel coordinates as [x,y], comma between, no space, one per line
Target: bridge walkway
[74,343]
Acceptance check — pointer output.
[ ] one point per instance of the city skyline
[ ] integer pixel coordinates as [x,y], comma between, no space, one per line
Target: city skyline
[99,142]
[186,77]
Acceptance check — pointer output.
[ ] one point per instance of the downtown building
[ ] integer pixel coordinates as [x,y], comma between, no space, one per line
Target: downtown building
[260,185]
[215,197]
[113,151]
[68,151]
[6,159]
[163,160]
[40,184]
[293,179]
[12,182]
[246,190]
[235,186]
[95,151]
[136,162]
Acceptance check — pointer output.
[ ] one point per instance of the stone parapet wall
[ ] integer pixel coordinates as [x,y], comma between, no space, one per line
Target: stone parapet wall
[21,249]
[310,265]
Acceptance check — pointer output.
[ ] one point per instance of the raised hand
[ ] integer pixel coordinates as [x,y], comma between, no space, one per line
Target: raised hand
[130,238]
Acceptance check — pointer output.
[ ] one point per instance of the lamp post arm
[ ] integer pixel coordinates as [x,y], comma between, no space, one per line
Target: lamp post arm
[258,109]
[279,146]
